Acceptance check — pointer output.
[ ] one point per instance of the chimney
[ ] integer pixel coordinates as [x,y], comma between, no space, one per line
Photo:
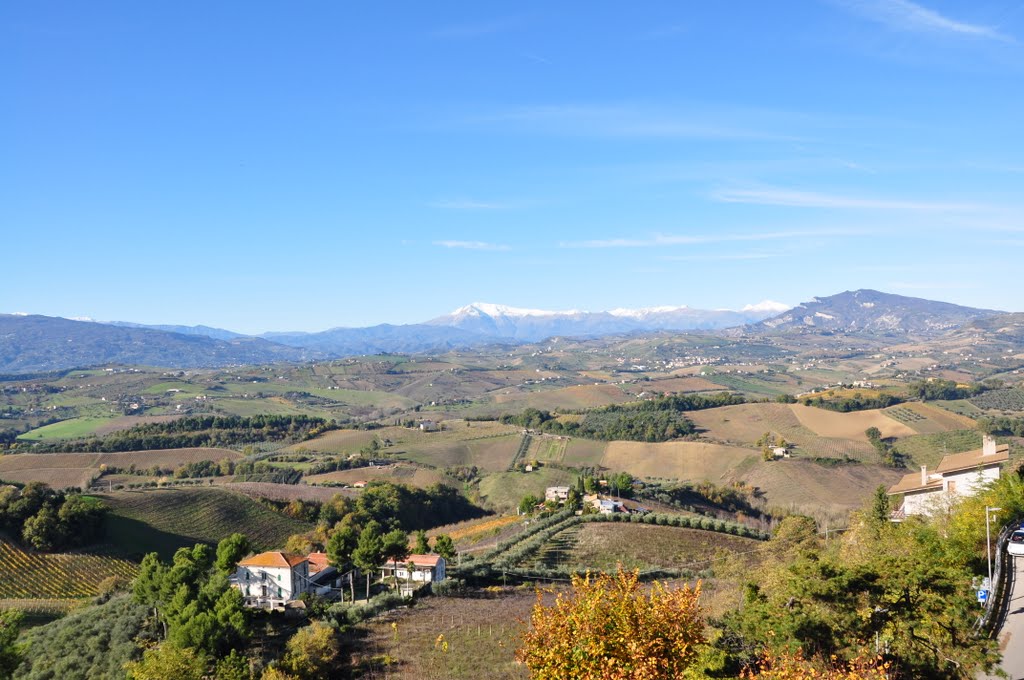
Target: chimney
[988,446]
[924,475]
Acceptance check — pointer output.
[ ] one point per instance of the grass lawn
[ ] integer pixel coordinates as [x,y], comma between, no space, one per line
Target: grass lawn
[503,490]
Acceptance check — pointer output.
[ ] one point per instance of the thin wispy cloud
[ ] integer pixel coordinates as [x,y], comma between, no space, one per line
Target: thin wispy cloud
[809,199]
[469,204]
[903,15]
[656,240]
[472,245]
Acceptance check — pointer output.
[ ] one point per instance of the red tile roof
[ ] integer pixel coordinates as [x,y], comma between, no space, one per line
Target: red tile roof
[273,559]
[317,562]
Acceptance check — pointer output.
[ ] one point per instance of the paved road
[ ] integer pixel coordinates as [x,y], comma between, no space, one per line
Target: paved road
[1011,637]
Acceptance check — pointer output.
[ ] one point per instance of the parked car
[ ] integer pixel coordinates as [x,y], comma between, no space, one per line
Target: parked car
[1016,544]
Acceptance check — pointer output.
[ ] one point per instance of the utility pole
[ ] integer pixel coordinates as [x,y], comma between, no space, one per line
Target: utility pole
[988,540]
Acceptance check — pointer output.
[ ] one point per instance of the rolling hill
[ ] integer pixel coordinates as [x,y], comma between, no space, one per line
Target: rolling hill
[45,343]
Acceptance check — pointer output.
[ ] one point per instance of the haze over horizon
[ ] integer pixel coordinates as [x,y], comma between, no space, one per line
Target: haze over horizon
[254,169]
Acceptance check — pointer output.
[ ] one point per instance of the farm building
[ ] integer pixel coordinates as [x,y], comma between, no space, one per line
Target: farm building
[271,579]
[959,474]
[425,569]
[604,506]
[558,494]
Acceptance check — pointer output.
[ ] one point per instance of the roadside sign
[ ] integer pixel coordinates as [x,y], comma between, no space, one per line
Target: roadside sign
[982,595]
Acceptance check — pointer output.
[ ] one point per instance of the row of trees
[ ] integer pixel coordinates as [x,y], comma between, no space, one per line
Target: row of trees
[50,520]
[1002,425]
[199,431]
[885,449]
[856,402]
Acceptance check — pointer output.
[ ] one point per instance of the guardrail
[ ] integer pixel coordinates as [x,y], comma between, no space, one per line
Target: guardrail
[991,620]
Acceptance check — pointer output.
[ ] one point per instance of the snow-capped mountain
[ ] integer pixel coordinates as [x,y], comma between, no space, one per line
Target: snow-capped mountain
[500,321]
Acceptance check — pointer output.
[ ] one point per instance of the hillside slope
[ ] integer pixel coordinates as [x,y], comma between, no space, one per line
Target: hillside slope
[45,343]
[873,312]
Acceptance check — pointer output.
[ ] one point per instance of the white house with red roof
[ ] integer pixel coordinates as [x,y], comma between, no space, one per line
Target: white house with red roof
[958,475]
[271,579]
[425,569]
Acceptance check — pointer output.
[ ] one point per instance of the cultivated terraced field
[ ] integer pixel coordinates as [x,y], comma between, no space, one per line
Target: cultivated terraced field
[63,470]
[163,520]
[29,576]
[601,546]
[928,449]
[286,493]
[928,419]
[744,424]
[482,533]
[677,460]
[490,454]
[399,473]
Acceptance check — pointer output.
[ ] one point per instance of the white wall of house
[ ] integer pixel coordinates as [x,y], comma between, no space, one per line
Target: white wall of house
[420,574]
[968,482]
[920,502]
[279,583]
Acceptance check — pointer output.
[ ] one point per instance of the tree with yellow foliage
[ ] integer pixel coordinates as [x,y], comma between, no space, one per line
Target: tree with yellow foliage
[612,628]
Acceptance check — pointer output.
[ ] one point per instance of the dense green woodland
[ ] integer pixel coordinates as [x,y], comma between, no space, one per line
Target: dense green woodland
[655,420]
[50,520]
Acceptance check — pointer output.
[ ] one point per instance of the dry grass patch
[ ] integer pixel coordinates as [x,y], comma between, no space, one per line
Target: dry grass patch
[64,470]
[577,397]
[55,478]
[848,425]
[688,384]
[803,486]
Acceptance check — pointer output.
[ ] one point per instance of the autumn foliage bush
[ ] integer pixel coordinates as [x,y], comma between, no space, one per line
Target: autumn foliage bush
[610,627]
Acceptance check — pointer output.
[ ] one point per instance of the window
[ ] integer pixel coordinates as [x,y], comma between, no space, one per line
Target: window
[1017,537]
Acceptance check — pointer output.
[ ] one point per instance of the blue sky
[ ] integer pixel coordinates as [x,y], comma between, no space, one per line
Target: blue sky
[258,166]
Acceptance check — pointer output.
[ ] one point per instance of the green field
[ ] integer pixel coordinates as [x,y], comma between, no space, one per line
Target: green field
[503,491]
[163,520]
[66,429]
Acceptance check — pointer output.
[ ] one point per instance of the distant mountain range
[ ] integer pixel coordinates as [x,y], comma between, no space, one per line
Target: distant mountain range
[532,325]
[872,312]
[31,343]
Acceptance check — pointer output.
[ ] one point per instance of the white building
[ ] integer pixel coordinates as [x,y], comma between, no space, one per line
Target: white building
[425,569]
[558,494]
[271,579]
[959,474]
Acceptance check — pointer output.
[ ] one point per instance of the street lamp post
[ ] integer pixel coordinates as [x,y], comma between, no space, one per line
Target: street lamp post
[988,540]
